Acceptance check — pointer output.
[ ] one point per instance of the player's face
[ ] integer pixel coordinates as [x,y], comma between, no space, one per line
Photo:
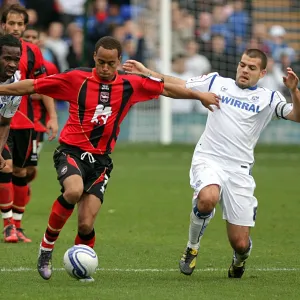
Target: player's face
[106,63]
[31,36]
[9,61]
[249,72]
[14,25]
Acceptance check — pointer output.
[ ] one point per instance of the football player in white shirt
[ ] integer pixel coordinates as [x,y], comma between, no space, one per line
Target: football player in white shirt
[10,54]
[223,158]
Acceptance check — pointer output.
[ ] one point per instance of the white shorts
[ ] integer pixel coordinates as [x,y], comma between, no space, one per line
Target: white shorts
[236,189]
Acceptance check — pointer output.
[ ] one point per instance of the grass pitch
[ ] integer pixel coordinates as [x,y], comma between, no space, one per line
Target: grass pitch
[142,231]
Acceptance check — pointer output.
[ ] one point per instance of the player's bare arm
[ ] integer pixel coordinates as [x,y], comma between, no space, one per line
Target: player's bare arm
[52,125]
[291,81]
[134,66]
[20,88]
[176,91]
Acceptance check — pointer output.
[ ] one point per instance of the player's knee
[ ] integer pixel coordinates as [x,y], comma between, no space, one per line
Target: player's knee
[73,194]
[85,227]
[31,174]
[240,245]
[19,172]
[208,198]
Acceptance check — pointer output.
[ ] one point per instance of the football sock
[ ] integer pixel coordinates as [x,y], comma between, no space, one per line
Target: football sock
[239,258]
[60,213]
[88,239]
[6,198]
[20,198]
[198,224]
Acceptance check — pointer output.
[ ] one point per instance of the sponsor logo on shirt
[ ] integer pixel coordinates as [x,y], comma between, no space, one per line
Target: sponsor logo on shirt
[240,104]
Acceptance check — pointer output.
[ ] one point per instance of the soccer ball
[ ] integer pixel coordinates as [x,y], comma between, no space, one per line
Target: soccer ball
[80,261]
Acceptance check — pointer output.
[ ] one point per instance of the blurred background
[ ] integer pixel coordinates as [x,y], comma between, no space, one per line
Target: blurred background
[184,38]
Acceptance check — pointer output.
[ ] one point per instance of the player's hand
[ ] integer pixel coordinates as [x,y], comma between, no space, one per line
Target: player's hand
[209,99]
[52,129]
[2,162]
[291,81]
[133,66]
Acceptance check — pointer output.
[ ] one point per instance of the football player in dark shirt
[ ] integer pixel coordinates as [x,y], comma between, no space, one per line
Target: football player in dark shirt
[99,99]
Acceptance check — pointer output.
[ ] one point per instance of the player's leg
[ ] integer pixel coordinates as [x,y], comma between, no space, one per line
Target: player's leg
[91,201]
[240,241]
[6,199]
[22,141]
[239,210]
[206,184]
[88,208]
[70,178]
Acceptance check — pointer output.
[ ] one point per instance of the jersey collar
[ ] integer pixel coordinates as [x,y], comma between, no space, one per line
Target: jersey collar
[252,88]
[101,80]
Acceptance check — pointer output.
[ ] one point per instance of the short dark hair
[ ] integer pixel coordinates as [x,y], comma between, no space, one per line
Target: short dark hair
[32,27]
[256,53]
[15,8]
[110,43]
[9,40]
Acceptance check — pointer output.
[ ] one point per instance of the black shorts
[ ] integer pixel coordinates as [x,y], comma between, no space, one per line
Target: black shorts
[95,175]
[32,159]
[20,143]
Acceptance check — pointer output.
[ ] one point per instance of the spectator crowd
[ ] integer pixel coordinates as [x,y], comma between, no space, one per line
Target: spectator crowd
[207,35]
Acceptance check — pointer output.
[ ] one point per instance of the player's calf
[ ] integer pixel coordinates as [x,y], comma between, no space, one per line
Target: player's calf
[237,267]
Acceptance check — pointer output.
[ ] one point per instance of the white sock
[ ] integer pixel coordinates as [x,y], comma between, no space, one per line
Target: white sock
[198,224]
[238,259]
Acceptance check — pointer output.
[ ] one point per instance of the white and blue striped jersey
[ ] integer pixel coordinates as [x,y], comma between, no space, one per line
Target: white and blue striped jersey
[232,131]
[9,104]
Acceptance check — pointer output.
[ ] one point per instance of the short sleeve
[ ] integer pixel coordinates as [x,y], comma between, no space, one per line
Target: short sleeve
[279,105]
[9,106]
[202,83]
[58,86]
[146,88]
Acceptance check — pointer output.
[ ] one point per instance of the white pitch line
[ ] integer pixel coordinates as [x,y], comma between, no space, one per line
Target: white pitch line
[23,269]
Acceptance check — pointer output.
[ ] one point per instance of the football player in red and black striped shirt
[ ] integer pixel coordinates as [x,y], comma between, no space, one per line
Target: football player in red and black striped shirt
[40,114]
[99,98]
[13,21]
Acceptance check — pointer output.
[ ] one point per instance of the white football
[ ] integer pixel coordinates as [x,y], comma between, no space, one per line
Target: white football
[80,261]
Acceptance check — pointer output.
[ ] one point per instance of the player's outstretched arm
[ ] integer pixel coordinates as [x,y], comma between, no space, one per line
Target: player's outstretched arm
[178,92]
[20,88]
[133,66]
[291,81]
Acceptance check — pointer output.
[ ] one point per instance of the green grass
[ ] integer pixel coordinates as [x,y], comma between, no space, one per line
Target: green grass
[143,226]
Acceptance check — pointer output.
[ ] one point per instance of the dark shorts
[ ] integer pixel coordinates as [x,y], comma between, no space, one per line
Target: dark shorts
[95,175]
[22,147]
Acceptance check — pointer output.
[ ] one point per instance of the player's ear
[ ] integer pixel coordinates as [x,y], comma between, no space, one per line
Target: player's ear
[263,73]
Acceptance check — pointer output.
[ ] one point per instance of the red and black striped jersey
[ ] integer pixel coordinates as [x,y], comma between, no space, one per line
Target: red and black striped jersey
[97,107]
[40,113]
[31,66]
